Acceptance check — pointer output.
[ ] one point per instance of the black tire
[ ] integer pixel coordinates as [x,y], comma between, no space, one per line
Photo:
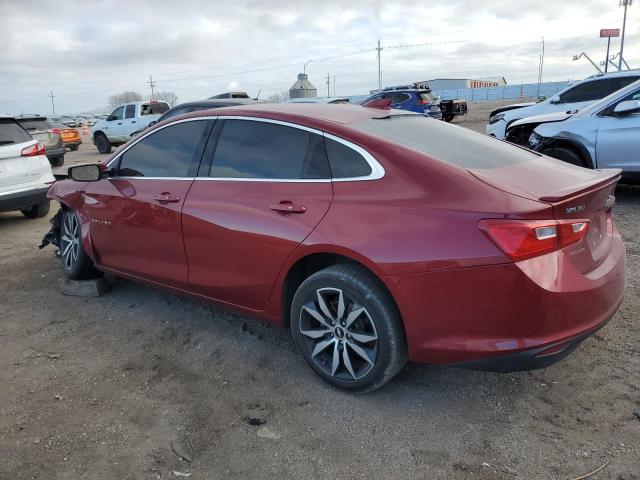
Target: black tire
[75,262]
[102,143]
[379,318]
[565,154]
[37,211]
[73,148]
[448,118]
[57,161]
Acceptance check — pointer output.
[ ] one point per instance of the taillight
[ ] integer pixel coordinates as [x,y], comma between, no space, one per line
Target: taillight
[423,102]
[34,150]
[522,239]
[54,130]
[381,103]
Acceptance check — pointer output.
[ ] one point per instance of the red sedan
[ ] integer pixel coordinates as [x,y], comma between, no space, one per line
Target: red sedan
[376,236]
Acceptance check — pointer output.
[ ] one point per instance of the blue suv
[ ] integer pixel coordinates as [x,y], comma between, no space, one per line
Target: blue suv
[413,99]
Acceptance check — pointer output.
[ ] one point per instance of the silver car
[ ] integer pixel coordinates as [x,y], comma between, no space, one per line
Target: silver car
[603,135]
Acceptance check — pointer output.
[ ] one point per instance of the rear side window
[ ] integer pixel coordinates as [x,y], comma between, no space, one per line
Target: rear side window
[130,111]
[345,162]
[616,83]
[167,152]
[400,98]
[11,132]
[584,92]
[153,108]
[253,149]
[35,124]
[438,140]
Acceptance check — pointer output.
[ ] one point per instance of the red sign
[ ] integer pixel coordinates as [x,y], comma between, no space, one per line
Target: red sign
[609,32]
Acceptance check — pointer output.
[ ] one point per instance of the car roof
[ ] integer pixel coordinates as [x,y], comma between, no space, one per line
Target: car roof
[218,102]
[317,100]
[342,113]
[622,73]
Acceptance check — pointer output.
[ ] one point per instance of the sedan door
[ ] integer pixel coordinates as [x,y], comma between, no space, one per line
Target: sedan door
[135,214]
[262,188]
[618,143]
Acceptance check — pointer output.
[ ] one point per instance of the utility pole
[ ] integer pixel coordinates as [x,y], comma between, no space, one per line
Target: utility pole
[625,4]
[151,84]
[53,106]
[379,49]
[334,85]
[328,85]
[606,59]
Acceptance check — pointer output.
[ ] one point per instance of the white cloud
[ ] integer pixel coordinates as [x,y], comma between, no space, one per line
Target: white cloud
[86,51]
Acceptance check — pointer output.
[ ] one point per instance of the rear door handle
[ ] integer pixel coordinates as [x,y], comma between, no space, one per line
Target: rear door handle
[286,206]
[166,197]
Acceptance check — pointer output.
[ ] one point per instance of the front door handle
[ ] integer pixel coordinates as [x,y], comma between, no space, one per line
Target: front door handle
[166,197]
[286,206]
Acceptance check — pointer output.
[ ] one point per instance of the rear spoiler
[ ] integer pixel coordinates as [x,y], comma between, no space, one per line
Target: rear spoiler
[609,176]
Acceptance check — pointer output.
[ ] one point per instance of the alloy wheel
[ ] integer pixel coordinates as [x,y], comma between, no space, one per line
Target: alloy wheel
[339,334]
[70,241]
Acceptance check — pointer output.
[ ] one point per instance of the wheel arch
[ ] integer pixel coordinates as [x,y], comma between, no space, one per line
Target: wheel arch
[574,145]
[310,262]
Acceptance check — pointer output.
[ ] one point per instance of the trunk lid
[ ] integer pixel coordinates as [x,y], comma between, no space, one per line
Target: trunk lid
[16,169]
[575,193]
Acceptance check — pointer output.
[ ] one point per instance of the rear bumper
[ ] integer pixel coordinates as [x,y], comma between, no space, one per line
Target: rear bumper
[11,202]
[505,317]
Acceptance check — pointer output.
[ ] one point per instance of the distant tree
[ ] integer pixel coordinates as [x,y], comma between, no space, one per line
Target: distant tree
[279,97]
[170,97]
[124,97]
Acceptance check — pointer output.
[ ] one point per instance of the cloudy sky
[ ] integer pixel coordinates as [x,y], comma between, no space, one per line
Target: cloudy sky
[87,50]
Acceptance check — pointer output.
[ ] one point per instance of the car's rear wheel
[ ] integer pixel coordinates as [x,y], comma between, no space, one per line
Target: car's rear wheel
[73,148]
[37,211]
[448,118]
[565,154]
[348,328]
[102,143]
[75,262]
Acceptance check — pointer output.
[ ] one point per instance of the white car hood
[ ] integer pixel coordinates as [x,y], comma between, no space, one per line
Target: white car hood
[546,118]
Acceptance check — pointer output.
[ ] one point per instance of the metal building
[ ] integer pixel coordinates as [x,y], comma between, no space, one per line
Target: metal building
[303,88]
[460,83]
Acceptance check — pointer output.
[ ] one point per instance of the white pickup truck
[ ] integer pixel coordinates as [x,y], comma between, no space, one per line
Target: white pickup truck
[116,129]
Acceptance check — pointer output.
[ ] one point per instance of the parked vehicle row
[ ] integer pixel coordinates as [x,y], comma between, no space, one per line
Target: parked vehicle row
[45,131]
[375,236]
[25,172]
[603,135]
[575,97]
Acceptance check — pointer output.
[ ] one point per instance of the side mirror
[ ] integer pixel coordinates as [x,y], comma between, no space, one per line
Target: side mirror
[630,106]
[84,173]
[555,99]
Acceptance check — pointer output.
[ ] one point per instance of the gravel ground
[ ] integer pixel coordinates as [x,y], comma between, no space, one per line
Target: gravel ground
[113,387]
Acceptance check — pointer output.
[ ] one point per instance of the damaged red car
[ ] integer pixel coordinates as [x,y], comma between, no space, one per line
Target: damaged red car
[376,236]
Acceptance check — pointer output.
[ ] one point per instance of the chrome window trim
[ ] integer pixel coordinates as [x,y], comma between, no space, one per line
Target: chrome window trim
[377,170]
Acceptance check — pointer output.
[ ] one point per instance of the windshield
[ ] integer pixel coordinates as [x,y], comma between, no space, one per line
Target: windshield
[435,138]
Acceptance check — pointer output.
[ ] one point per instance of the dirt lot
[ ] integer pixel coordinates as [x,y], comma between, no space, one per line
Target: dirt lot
[109,387]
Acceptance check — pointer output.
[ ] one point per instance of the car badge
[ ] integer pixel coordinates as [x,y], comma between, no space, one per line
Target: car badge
[576,209]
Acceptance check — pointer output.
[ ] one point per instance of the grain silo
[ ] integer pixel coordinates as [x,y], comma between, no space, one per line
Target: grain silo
[303,88]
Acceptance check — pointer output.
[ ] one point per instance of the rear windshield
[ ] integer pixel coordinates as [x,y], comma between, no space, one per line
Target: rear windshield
[11,132]
[153,108]
[445,142]
[34,124]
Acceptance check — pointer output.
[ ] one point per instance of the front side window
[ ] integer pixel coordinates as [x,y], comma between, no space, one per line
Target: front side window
[585,92]
[263,150]
[168,152]
[117,114]
[130,111]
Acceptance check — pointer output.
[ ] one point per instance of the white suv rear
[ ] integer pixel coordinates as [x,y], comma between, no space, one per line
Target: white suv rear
[25,172]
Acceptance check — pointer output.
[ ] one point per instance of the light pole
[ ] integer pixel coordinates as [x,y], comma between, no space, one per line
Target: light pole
[379,49]
[625,4]
[540,67]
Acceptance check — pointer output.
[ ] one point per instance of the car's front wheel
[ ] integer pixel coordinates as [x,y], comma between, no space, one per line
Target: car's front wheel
[76,263]
[102,143]
[348,328]
[57,161]
[565,154]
